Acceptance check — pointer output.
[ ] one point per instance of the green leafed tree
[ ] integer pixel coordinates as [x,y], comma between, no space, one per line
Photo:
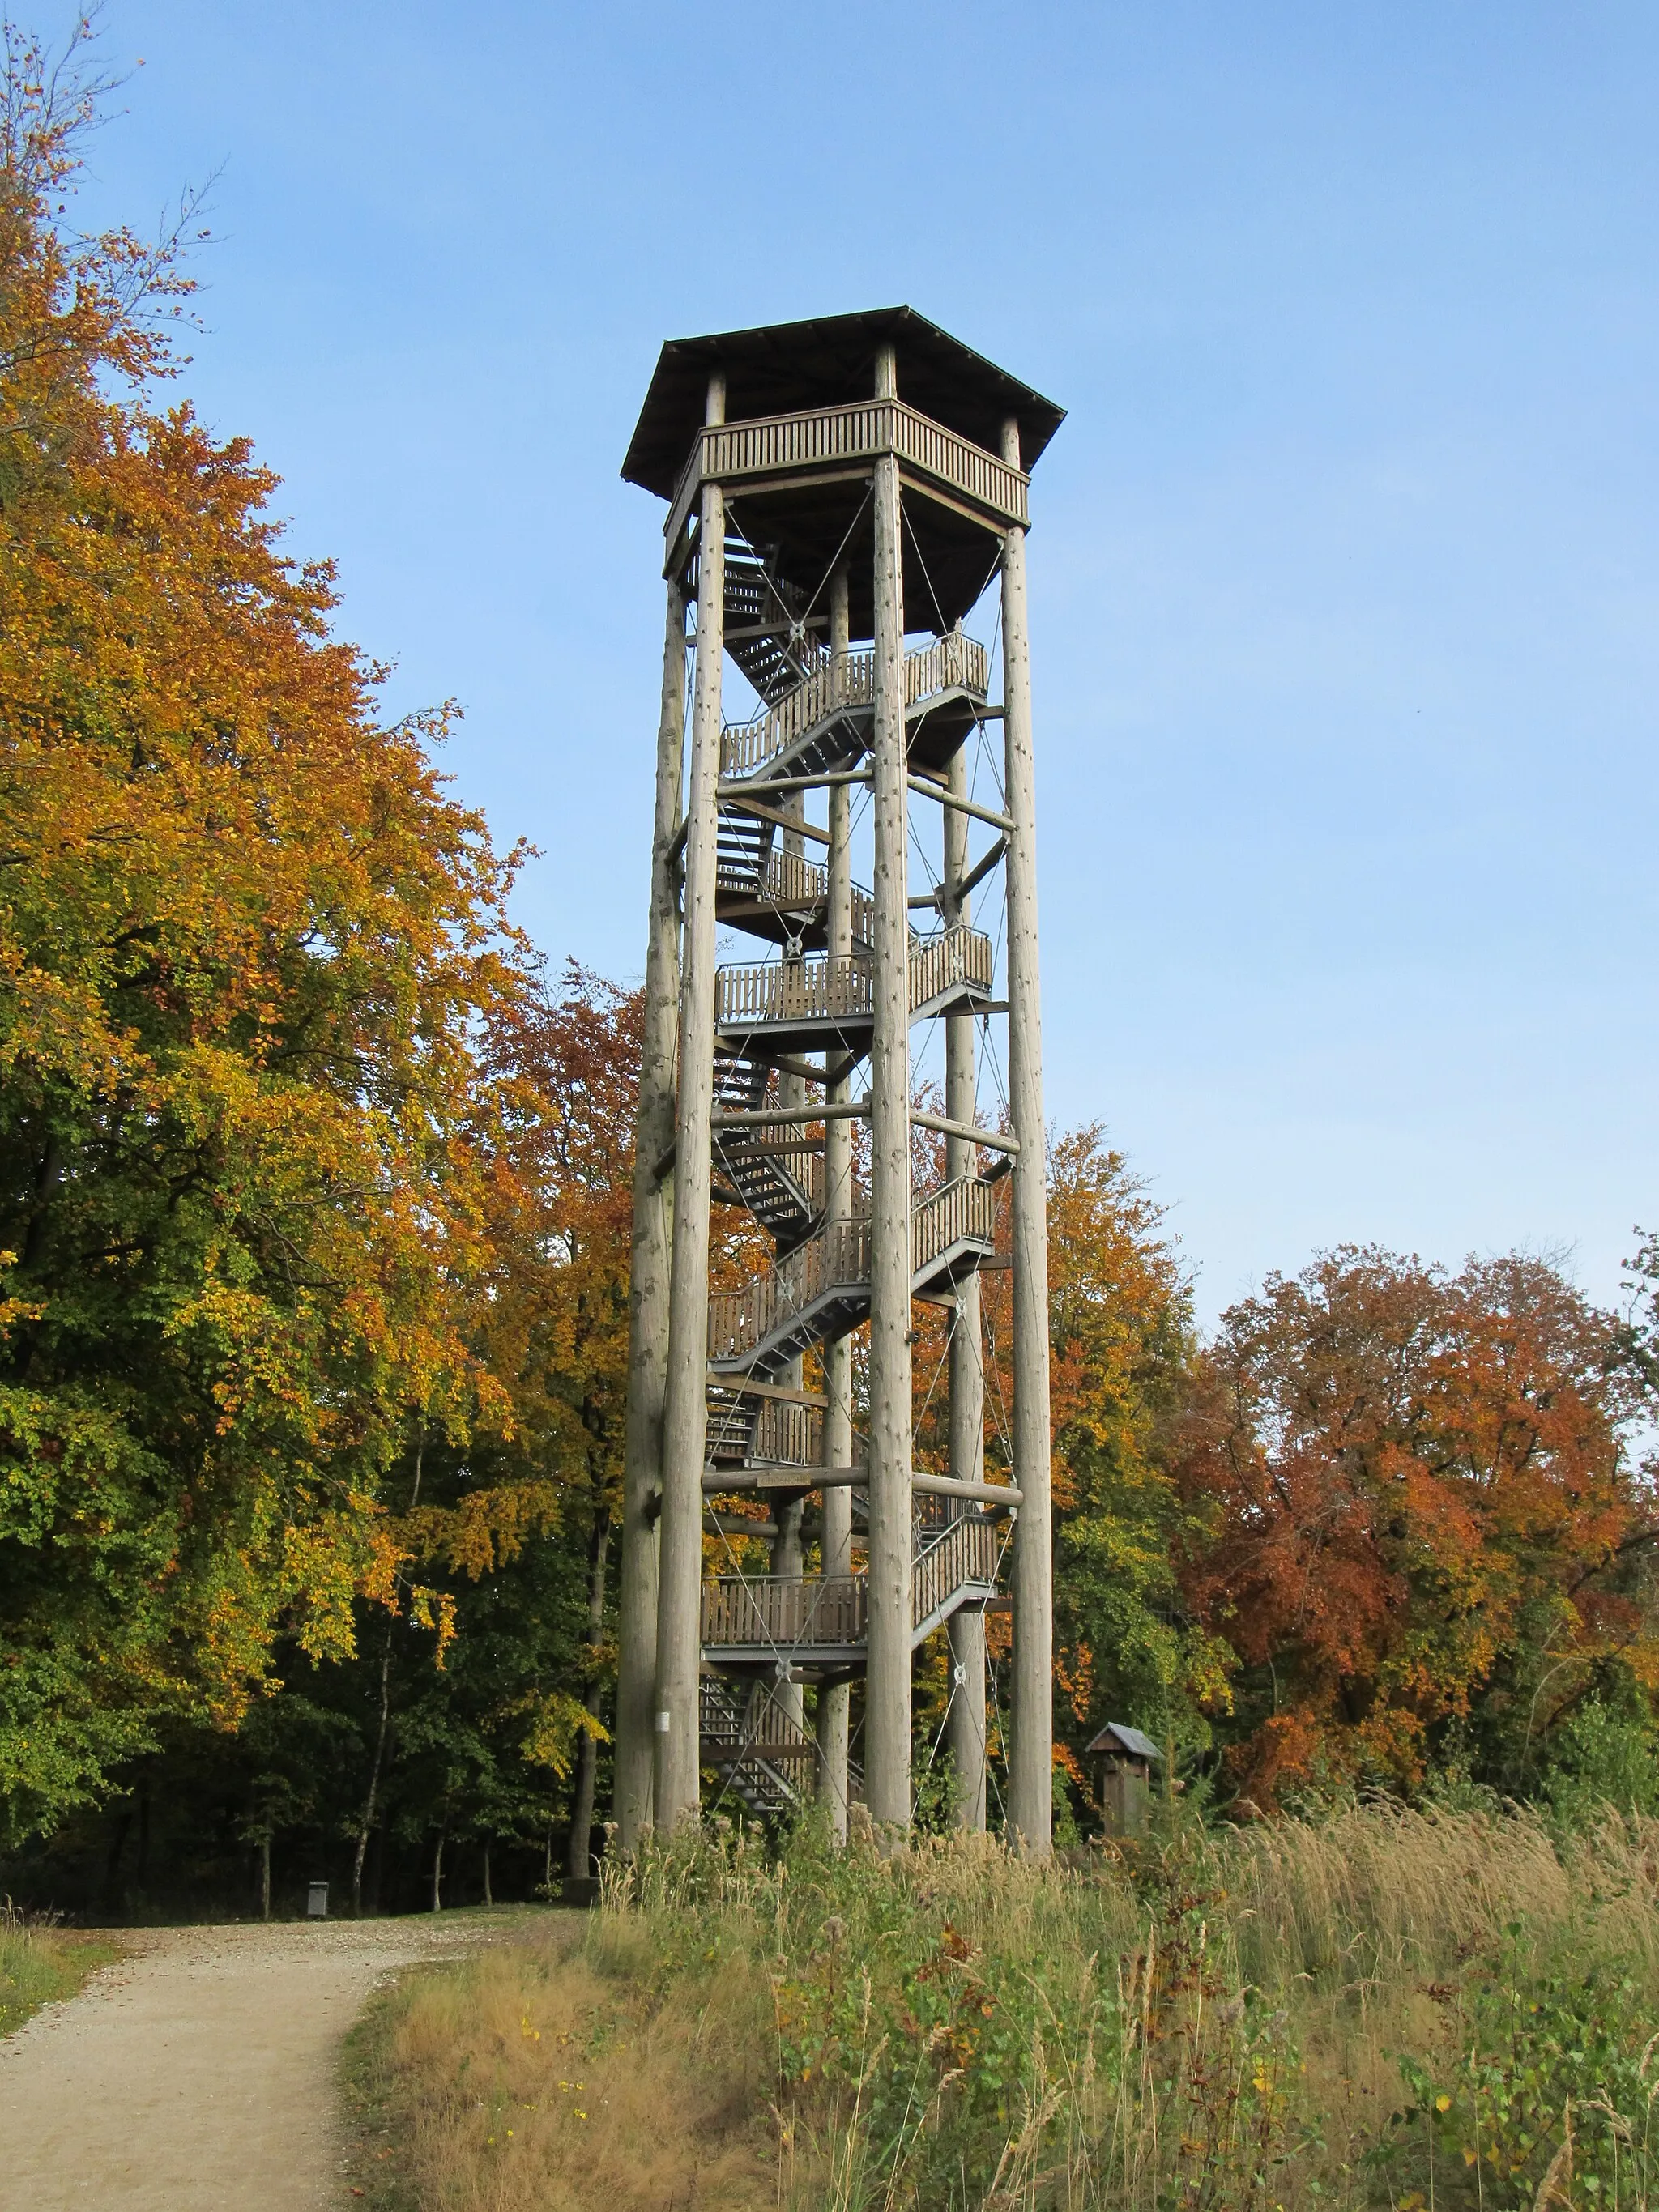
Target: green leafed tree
[245,937]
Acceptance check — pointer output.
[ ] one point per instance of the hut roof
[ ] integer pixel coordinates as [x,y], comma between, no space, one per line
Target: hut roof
[1118,1735]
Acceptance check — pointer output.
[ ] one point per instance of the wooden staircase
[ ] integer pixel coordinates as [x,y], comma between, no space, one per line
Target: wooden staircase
[815,716]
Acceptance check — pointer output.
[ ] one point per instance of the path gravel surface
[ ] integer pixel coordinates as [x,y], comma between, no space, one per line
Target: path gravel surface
[198,2075]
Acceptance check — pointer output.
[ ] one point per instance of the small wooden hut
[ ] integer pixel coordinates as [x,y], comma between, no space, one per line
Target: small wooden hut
[1127,1760]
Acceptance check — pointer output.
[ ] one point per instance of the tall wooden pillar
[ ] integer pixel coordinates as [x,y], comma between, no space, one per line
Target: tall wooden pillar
[648,1310]
[685,1418]
[965,1721]
[887,1682]
[835,1698]
[1031,1762]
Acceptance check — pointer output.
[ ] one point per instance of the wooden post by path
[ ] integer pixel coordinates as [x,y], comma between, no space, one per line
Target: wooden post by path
[685,1415]
[1030,1763]
[647,1309]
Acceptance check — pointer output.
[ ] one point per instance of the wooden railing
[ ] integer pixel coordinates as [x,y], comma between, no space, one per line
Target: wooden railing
[727,1436]
[794,990]
[774,1612]
[960,1212]
[952,662]
[768,1611]
[789,1436]
[770,1430]
[802,1163]
[796,886]
[941,964]
[839,1256]
[832,989]
[966,1554]
[734,1721]
[776,445]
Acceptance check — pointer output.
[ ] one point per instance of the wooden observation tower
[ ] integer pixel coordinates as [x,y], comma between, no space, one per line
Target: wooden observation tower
[841,495]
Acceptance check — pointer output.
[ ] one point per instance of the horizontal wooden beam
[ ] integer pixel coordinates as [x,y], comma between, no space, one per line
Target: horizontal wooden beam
[716,1481]
[737,795]
[732,789]
[942,1126]
[784,629]
[946,1485]
[928,789]
[741,1386]
[733,1524]
[787,1065]
[776,1117]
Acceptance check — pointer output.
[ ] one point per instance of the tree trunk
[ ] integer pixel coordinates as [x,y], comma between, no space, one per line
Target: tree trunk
[488,1900]
[577,1857]
[438,1874]
[365,1826]
[264,1875]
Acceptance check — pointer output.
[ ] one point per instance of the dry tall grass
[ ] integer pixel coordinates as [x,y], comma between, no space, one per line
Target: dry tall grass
[1213,2020]
[524,2081]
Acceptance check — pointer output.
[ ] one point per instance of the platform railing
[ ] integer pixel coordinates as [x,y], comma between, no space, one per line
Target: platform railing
[952,662]
[953,959]
[820,989]
[962,1212]
[795,885]
[819,437]
[837,1257]
[776,1612]
[966,1554]
[769,1611]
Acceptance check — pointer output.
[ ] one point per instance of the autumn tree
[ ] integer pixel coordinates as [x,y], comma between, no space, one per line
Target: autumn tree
[1121,1329]
[1415,1517]
[245,939]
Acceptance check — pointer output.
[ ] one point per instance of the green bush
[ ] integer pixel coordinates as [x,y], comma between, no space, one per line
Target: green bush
[1548,2094]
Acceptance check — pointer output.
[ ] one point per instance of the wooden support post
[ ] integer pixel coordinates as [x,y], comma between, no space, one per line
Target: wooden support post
[887,1679]
[679,1604]
[787,1563]
[965,1719]
[1030,1761]
[835,1698]
[647,1307]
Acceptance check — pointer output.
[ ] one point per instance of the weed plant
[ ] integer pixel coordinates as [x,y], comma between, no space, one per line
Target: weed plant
[40,1963]
[1378,2006]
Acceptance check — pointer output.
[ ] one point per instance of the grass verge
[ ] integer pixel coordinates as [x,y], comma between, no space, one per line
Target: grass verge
[41,1965]
[533,2076]
[1382,2007]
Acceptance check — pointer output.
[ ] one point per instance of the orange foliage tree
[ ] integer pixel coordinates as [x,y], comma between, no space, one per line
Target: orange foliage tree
[244,938]
[1120,1338]
[1415,1516]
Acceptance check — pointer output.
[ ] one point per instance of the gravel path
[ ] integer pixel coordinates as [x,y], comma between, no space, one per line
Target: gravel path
[198,2075]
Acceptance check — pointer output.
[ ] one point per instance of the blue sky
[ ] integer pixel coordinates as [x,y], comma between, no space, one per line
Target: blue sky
[1345,565]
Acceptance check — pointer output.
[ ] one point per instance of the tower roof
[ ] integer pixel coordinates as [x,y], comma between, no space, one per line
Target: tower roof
[788,367]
